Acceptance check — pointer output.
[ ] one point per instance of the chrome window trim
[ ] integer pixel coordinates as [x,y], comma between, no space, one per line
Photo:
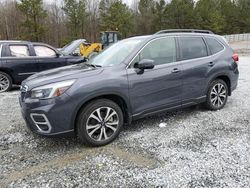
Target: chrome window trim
[175,36]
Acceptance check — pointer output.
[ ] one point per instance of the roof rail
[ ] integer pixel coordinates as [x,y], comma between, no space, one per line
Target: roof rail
[183,31]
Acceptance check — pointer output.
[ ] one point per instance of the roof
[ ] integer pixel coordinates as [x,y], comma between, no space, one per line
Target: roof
[11,41]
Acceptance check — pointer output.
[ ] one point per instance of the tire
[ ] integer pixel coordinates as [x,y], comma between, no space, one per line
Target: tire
[95,132]
[5,82]
[217,95]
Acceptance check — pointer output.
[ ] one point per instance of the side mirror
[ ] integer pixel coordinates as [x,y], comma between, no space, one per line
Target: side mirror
[144,64]
[58,55]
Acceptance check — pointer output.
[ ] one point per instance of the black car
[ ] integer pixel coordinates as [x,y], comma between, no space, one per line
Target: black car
[20,59]
[134,78]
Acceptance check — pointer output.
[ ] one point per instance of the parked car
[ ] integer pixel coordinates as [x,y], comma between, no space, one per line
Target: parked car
[134,78]
[20,59]
[73,48]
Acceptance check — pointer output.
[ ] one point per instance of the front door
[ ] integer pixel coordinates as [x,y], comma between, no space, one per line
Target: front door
[159,88]
[47,58]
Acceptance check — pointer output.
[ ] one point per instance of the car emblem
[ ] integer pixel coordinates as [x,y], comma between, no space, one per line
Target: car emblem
[24,88]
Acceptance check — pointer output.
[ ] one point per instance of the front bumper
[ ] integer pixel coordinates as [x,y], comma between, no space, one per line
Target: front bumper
[50,117]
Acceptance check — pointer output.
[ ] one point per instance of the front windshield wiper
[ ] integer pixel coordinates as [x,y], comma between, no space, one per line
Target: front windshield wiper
[92,65]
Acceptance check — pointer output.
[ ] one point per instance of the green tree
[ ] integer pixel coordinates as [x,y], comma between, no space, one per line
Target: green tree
[159,15]
[180,14]
[76,13]
[34,13]
[118,17]
[146,17]
[244,15]
[231,19]
[209,15]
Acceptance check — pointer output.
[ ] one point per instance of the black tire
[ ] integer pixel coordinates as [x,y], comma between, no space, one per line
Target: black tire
[85,116]
[216,104]
[5,76]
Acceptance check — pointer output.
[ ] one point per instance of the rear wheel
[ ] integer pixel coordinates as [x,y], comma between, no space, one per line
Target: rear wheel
[5,82]
[217,95]
[99,123]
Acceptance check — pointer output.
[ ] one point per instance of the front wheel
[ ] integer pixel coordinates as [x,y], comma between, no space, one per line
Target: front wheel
[99,123]
[217,95]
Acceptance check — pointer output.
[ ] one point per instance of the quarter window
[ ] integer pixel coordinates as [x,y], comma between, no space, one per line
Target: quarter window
[214,45]
[43,51]
[162,51]
[19,51]
[192,47]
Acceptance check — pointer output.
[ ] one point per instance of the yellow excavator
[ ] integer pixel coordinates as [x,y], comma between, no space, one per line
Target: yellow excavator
[108,38]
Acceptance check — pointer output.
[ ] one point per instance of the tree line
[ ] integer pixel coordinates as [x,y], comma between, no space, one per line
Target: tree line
[61,21]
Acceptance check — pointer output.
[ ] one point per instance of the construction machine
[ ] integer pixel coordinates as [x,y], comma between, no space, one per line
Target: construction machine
[108,38]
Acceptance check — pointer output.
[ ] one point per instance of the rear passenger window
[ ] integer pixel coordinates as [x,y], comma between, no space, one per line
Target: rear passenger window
[19,51]
[214,45]
[192,47]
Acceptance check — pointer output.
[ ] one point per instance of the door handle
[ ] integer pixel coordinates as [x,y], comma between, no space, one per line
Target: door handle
[175,70]
[211,64]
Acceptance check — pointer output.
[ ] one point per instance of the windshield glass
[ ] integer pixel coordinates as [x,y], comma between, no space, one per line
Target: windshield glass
[71,47]
[116,53]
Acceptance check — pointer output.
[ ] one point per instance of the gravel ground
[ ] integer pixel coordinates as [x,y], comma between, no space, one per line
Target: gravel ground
[188,148]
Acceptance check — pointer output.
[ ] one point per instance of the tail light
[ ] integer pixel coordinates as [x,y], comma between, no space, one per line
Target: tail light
[235,57]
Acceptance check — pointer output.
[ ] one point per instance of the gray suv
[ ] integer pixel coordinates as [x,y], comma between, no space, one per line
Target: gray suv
[133,78]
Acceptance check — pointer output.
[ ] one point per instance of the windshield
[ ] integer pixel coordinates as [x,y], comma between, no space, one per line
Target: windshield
[116,53]
[71,47]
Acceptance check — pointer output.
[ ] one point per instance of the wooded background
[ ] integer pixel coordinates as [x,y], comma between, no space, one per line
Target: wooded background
[57,22]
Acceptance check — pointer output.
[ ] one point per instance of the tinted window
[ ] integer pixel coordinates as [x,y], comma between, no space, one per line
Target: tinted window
[162,51]
[19,50]
[192,47]
[43,51]
[214,45]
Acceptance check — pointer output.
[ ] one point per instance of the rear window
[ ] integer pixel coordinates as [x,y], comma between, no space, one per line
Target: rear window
[192,47]
[214,45]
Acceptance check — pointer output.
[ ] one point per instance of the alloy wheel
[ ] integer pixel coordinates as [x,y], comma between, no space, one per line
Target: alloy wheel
[102,124]
[218,95]
[4,83]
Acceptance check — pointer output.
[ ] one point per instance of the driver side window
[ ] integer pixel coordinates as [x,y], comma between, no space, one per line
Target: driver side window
[43,51]
[162,51]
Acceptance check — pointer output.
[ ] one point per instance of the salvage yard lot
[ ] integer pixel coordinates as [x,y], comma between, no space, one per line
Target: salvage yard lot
[196,148]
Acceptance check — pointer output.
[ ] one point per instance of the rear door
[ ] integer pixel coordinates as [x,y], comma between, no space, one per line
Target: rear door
[48,58]
[19,58]
[159,88]
[196,64]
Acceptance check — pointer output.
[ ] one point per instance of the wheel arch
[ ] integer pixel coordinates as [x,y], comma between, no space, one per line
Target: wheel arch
[9,72]
[118,99]
[225,78]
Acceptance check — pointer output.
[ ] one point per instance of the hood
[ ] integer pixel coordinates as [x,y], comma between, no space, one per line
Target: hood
[61,74]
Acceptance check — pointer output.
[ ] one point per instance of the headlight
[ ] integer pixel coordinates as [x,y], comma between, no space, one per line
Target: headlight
[51,90]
